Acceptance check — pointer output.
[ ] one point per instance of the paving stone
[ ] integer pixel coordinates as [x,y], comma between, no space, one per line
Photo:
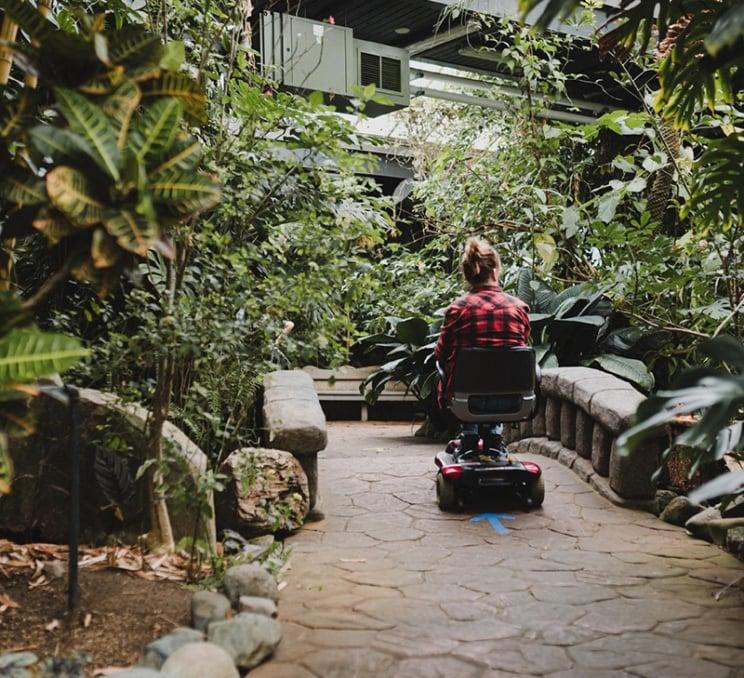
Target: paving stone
[580,588]
[434,667]
[355,662]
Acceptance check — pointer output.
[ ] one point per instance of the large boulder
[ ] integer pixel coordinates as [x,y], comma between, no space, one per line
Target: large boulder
[247,638]
[249,580]
[112,448]
[679,510]
[267,491]
[198,660]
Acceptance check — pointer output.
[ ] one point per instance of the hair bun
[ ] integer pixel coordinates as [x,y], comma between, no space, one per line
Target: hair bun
[479,261]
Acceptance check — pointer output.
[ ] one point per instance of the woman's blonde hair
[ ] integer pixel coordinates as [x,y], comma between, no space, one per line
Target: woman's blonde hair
[480,262]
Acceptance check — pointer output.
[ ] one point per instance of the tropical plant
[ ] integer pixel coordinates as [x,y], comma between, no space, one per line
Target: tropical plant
[95,158]
[579,326]
[702,43]
[26,354]
[408,346]
[715,398]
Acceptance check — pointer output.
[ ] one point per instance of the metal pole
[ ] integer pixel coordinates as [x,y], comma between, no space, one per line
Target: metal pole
[74,535]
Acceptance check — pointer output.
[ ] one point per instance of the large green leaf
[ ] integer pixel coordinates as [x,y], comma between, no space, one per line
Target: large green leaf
[71,192]
[132,45]
[59,143]
[728,483]
[412,331]
[53,225]
[120,108]
[183,156]
[181,86]
[185,192]
[28,354]
[727,31]
[156,129]
[21,188]
[630,369]
[133,232]
[90,122]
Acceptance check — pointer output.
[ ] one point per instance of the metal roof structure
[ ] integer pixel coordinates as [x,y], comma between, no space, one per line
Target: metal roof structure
[433,36]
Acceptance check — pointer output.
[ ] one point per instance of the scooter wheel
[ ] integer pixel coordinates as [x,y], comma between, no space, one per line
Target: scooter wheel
[446,494]
[537,492]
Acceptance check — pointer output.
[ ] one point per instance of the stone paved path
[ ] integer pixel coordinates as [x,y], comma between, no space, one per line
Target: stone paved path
[390,587]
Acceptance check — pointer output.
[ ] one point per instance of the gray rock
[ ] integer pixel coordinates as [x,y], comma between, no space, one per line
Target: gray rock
[583,436]
[16,661]
[267,491]
[140,672]
[39,501]
[615,408]
[568,425]
[201,660]
[55,569]
[293,418]
[662,499]
[247,638]
[679,510]
[601,448]
[249,580]
[553,418]
[207,607]
[735,541]
[158,651]
[718,529]
[256,605]
[631,474]
[698,524]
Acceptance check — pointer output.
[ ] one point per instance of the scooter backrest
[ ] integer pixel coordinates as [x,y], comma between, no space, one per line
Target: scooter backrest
[494,384]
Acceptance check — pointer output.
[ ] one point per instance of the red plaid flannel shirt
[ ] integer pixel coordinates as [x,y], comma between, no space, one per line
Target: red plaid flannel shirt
[485,317]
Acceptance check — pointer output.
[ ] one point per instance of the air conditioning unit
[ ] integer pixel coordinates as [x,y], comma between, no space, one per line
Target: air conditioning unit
[384,66]
[312,55]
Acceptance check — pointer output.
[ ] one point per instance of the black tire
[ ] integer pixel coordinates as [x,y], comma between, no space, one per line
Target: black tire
[446,494]
[537,492]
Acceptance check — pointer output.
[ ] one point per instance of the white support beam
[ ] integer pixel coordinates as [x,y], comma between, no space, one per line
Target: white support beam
[457,97]
[441,38]
[421,73]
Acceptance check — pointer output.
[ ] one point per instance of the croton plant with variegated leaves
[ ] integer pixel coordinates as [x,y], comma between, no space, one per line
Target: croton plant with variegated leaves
[95,154]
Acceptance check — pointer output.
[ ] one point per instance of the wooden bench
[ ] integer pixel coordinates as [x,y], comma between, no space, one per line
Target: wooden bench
[342,385]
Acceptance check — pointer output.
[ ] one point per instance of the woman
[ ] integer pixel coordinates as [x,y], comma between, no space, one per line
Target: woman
[484,317]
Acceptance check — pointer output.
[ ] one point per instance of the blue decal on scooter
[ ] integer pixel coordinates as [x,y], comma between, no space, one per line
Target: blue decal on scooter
[495,520]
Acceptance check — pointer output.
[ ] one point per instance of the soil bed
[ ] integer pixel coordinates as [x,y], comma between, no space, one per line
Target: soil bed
[126,612]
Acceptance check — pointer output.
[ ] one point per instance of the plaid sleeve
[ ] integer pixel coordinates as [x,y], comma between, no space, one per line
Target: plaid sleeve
[446,341]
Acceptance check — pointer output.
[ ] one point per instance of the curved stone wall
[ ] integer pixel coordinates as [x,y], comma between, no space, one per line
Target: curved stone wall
[581,414]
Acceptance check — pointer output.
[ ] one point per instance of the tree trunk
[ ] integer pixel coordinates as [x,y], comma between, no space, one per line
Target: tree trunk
[661,189]
[161,532]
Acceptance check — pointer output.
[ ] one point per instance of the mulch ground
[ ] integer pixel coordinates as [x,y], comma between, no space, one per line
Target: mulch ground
[118,614]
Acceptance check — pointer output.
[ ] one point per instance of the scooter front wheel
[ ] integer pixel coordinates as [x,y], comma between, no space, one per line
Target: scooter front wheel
[447,496]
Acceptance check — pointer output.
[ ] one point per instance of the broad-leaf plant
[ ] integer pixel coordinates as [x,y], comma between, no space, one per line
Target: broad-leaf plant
[96,157]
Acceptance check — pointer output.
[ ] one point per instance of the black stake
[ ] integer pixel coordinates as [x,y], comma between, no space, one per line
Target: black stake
[72,555]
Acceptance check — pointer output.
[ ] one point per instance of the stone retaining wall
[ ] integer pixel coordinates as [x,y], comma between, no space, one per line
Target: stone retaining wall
[294,421]
[582,412]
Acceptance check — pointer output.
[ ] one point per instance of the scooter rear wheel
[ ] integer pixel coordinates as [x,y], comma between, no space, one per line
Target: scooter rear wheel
[446,494]
[537,492]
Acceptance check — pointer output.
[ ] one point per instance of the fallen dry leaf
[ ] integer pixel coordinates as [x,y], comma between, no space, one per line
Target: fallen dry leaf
[54,624]
[88,619]
[352,560]
[6,601]
[281,585]
[36,583]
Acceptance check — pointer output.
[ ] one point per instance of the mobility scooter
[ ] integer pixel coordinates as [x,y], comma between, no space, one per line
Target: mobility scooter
[490,385]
